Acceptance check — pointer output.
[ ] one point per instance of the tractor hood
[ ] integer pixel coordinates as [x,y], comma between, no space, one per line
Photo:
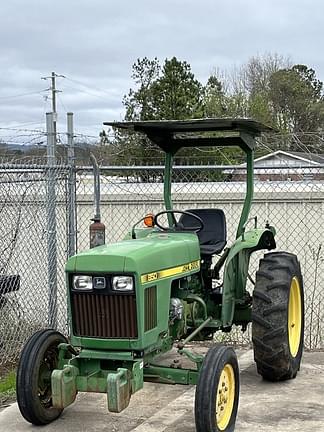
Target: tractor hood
[155,252]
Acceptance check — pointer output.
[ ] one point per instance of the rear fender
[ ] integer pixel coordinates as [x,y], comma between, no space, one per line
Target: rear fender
[237,266]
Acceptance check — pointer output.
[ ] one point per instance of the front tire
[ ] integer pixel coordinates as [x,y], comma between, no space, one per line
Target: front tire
[217,391]
[278,317]
[38,359]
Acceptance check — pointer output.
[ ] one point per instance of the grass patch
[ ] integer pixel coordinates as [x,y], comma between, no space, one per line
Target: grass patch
[8,383]
[7,387]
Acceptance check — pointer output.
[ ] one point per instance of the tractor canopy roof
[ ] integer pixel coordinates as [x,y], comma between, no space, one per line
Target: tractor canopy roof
[171,135]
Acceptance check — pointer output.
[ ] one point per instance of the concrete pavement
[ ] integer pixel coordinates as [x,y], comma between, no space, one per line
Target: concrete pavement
[296,405]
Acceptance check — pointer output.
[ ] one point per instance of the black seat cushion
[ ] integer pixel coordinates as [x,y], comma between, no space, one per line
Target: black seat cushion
[212,237]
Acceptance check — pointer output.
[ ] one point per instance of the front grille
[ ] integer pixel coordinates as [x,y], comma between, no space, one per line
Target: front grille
[104,316]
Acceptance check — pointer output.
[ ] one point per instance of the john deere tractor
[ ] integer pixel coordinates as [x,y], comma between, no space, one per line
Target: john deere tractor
[165,285]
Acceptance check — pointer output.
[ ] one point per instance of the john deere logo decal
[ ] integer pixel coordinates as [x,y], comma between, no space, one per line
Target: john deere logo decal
[161,274]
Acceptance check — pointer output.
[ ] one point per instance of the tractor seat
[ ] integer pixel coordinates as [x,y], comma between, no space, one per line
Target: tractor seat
[212,238]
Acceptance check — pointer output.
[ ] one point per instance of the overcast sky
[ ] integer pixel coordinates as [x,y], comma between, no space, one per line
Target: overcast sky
[95,42]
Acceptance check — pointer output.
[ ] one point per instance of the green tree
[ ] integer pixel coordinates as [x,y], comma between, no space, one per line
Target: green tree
[139,105]
[297,98]
[251,97]
[139,102]
[259,108]
[177,94]
[214,98]
[160,94]
[244,91]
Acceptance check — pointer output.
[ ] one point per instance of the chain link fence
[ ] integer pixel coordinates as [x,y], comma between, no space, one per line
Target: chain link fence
[35,227]
[33,252]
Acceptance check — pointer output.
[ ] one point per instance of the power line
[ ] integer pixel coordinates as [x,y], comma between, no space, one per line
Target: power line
[18,125]
[87,86]
[22,130]
[62,103]
[86,92]
[22,95]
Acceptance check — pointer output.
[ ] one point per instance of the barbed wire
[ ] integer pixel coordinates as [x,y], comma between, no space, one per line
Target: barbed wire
[25,139]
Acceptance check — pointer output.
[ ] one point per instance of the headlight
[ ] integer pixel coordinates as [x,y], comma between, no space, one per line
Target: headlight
[122,283]
[82,283]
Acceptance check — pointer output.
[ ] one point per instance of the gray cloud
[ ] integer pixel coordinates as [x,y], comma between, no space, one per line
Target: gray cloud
[96,42]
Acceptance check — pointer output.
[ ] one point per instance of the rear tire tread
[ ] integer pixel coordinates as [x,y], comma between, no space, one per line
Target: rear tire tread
[261,273]
[263,296]
[270,318]
[274,308]
[274,333]
[261,321]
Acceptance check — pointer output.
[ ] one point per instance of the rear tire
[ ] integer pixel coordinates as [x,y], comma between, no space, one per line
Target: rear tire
[217,391]
[38,359]
[278,317]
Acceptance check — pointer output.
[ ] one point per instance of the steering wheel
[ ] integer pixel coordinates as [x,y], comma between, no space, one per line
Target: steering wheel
[178,226]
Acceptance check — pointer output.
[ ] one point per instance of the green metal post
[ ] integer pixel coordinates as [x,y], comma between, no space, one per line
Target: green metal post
[167,185]
[249,192]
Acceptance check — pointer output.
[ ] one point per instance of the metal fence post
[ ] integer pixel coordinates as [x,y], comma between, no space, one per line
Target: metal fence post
[51,223]
[71,189]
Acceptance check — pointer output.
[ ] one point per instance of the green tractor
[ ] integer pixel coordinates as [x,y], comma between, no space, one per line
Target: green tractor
[165,285]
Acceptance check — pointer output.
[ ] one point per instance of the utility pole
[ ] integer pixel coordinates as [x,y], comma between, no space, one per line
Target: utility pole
[53,88]
[54,91]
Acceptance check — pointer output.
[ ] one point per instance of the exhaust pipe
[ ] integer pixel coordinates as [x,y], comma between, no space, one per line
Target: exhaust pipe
[97,229]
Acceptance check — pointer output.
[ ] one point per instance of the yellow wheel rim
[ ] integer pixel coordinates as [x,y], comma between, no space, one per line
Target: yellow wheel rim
[294,317]
[225,397]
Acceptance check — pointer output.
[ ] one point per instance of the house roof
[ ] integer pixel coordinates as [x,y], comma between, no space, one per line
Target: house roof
[305,160]
[309,156]
[314,159]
